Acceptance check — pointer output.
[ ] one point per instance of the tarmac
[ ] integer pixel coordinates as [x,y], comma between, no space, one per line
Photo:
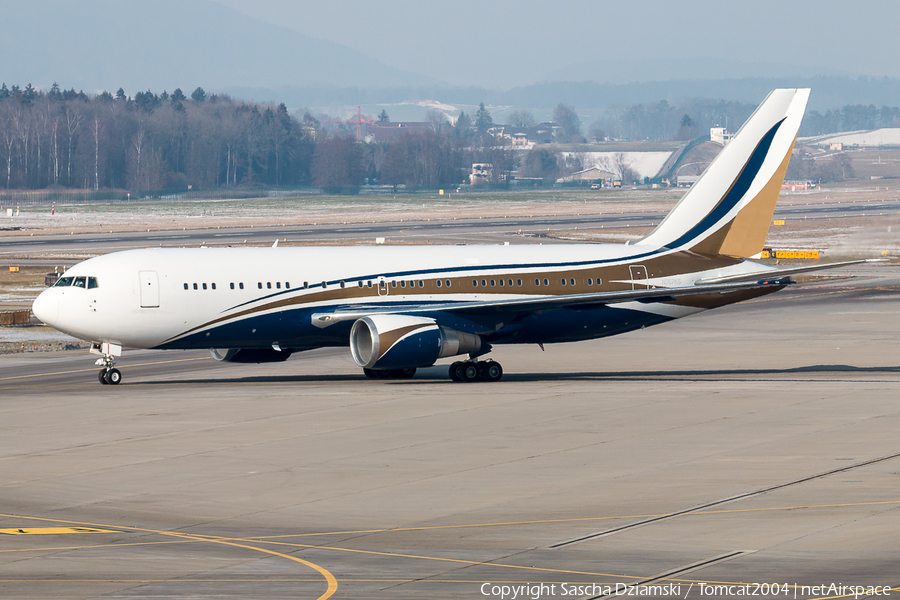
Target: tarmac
[753,444]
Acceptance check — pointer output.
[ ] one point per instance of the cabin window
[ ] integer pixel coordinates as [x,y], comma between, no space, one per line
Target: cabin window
[287,285]
[537,282]
[269,285]
[519,282]
[80,282]
[438,282]
[213,286]
[483,283]
[509,282]
[342,285]
[64,282]
[324,285]
[241,285]
[572,281]
[231,285]
[278,285]
[92,283]
[501,283]
[421,283]
[599,281]
[448,283]
[393,283]
[204,286]
[369,283]
[305,284]
[259,285]
[474,283]
[185,286]
[546,282]
[590,281]
[492,283]
[402,283]
[195,286]
[360,283]
[564,281]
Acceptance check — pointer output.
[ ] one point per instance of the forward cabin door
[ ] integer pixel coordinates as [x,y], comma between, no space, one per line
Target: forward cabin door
[149,289]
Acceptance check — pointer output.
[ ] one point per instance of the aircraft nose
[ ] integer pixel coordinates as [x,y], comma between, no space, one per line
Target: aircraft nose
[46,307]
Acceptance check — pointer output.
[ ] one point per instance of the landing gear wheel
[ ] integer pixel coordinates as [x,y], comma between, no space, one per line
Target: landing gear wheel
[454,371]
[102,377]
[113,377]
[469,372]
[370,373]
[490,371]
[407,373]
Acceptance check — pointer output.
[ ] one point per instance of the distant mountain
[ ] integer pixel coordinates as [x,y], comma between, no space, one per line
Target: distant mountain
[589,98]
[139,45]
[621,70]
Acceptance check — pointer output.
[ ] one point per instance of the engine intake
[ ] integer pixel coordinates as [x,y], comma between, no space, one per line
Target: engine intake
[404,341]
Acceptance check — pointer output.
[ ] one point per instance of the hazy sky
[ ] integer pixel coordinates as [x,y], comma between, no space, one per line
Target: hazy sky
[505,43]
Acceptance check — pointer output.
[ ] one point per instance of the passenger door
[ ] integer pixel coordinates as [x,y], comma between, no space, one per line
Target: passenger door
[149,289]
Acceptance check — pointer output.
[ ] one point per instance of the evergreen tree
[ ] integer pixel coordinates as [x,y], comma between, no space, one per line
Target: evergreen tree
[198,95]
[383,117]
[483,120]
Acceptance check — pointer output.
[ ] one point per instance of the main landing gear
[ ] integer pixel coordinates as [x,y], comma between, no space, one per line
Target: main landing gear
[469,371]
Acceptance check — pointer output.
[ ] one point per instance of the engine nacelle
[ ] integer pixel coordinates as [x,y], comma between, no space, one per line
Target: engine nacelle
[404,341]
[249,355]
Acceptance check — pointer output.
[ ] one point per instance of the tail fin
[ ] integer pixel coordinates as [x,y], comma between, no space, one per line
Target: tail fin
[729,209]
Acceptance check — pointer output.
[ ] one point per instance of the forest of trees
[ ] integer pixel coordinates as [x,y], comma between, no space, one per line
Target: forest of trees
[150,143]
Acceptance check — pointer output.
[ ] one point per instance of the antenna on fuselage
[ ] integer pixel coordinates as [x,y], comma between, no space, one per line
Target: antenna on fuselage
[275,245]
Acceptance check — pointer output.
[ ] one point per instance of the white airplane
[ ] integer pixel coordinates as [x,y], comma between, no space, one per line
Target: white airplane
[400,308]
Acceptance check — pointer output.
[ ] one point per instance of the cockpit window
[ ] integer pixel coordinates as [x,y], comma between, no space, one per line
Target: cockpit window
[92,283]
[80,282]
[64,282]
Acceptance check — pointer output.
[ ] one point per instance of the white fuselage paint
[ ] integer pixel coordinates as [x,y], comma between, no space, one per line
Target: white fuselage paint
[140,300]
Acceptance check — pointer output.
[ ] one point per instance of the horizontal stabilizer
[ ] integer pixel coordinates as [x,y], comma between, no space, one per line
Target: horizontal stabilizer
[778,273]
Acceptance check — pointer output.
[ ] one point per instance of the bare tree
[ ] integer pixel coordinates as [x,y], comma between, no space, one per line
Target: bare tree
[95,129]
[73,122]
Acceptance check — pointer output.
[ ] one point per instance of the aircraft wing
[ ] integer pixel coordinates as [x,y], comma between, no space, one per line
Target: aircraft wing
[779,273]
[519,305]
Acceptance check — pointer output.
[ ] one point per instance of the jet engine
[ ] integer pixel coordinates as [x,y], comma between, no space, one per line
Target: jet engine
[249,355]
[404,341]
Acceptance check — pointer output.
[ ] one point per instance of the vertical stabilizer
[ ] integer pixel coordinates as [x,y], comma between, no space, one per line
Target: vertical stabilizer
[729,209]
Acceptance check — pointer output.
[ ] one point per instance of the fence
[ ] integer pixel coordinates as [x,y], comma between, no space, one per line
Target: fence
[18,317]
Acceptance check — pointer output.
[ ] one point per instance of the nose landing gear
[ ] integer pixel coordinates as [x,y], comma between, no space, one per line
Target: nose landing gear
[108,375]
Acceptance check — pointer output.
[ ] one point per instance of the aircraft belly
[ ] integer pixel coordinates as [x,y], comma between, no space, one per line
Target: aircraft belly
[575,325]
[287,328]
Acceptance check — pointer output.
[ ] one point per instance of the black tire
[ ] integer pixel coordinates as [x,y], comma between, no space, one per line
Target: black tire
[469,372]
[102,377]
[407,373]
[113,377]
[370,373]
[454,371]
[491,371]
